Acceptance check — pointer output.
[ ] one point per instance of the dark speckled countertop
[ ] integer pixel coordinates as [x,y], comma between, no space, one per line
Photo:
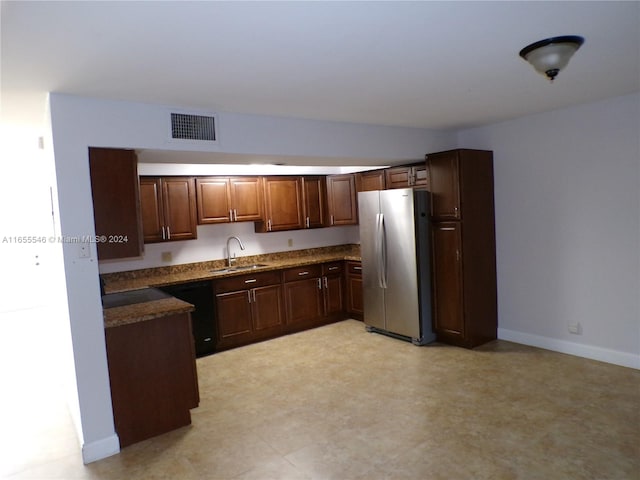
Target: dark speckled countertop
[164,276]
[141,312]
[191,272]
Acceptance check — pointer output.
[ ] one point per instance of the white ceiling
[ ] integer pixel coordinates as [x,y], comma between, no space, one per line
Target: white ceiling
[420,64]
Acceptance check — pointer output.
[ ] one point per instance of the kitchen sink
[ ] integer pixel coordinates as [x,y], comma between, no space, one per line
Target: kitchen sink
[239,268]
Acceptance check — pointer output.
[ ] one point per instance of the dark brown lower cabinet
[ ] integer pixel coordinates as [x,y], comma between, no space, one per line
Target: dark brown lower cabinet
[314,295]
[447,284]
[153,377]
[248,308]
[355,307]
[332,290]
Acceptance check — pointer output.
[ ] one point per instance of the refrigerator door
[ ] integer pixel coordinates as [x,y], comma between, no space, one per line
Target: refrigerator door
[372,291]
[401,303]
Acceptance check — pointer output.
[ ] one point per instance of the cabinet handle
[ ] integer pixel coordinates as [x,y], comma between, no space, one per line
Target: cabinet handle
[230,215]
[331,219]
[333,268]
[306,222]
[357,268]
[447,229]
[269,225]
[235,215]
[326,282]
[168,233]
[249,295]
[457,255]
[164,237]
[254,295]
[251,280]
[300,274]
[319,284]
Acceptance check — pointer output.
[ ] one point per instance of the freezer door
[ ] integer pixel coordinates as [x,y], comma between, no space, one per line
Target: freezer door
[402,309]
[372,291]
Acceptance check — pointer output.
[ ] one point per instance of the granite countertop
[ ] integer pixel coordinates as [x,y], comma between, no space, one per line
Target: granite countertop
[141,312]
[165,276]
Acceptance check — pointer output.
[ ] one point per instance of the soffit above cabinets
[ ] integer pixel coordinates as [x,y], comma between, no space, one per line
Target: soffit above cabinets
[164,162]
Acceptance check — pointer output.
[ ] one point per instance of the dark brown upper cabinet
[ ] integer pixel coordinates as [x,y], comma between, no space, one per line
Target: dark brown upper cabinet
[283,207]
[168,208]
[406,176]
[370,180]
[342,207]
[116,202]
[314,194]
[226,200]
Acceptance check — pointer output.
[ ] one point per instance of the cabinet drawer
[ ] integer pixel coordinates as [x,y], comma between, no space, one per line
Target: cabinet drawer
[332,268]
[300,273]
[244,282]
[354,268]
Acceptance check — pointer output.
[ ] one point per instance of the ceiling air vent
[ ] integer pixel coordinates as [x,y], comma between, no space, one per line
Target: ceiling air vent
[186,126]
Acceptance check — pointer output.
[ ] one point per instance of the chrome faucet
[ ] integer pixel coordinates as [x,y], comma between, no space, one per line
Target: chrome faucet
[229,259]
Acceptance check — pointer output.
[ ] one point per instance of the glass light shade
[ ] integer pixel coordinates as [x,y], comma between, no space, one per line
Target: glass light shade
[551,55]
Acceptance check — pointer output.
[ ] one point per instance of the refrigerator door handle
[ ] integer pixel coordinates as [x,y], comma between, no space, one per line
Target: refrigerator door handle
[381,251]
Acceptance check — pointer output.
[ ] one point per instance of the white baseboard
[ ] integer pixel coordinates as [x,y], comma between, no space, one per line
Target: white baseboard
[100,449]
[587,351]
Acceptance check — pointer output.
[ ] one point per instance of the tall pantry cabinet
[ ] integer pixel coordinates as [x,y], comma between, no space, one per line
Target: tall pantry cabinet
[464,259]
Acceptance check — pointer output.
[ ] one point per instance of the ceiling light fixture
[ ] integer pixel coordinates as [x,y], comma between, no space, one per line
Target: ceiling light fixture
[551,55]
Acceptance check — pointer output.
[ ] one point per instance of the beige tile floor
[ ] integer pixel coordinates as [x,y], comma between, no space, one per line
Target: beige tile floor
[339,403]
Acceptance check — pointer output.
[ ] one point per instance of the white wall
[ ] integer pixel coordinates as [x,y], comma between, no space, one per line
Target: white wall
[567,192]
[81,122]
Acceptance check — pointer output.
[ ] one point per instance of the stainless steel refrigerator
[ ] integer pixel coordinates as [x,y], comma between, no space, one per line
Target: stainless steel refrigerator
[395,250]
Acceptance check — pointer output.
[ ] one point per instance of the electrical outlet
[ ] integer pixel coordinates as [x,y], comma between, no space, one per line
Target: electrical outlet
[290,242]
[575,328]
[166,256]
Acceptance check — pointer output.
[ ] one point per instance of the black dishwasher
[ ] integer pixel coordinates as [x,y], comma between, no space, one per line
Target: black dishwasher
[200,295]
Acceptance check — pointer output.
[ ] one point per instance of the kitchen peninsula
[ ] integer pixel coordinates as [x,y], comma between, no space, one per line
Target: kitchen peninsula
[152,370]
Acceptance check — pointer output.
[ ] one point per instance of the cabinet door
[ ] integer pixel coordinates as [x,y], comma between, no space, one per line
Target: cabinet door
[283,203]
[234,318]
[179,208]
[214,200]
[314,198]
[151,209]
[267,309]
[372,180]
[444,185]
[447,279]
[354,290]
[246,199]
[333,298]
[116,201]
[341,200]
[420,176]
[398,177]
[303,300]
